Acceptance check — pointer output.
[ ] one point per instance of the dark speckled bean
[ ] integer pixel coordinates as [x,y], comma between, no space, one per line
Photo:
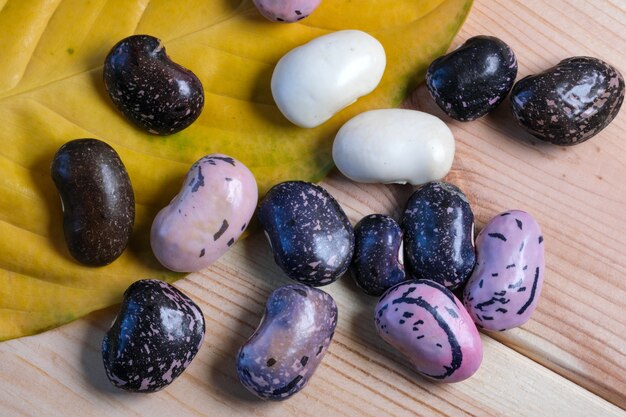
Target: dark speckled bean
[97,200]
[281,356]
[309,233]
[154,338]
[438,226]
[378,255]
[149,88]
[570,102]
[472,80]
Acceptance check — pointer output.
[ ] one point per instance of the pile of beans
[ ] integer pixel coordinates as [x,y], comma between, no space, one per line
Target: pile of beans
[412,266]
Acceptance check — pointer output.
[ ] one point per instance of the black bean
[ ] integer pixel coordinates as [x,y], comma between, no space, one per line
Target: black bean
[155,336]
[310,235]
[150,89]
[438,227]
[474,79]
[570,102]
[97,200]
[377,262]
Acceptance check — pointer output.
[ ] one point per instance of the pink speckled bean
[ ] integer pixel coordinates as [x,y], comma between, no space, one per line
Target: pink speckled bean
[428,324]
[207,216]
[286,11]
[504,287]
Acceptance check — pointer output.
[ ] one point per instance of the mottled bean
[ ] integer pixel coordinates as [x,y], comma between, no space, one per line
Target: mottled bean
[154,337]
[504,288]
[309,234]
[279,359]
[430,326]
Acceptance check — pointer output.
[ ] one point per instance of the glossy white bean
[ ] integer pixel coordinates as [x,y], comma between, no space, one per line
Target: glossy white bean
[314,81]
[394,146]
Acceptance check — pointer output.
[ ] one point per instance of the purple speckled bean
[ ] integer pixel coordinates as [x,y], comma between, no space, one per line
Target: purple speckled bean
[428,324]
[207,216]
[286,11]
[150,89]
[377,263]
[308,231]
[474,79]
[438,226]
[154,338]
[503,290]
[281,356]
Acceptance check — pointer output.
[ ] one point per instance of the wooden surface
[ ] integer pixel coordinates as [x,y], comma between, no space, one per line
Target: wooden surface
[569,360]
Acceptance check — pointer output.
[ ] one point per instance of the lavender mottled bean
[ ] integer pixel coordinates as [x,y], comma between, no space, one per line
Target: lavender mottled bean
[154,338]
[430,326]
[208,215]
[309,234]
[503,290]
[286,11]
[279,359]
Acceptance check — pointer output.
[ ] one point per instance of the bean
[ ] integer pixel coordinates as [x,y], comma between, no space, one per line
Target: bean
[149,88]
[474,79]
[286,11]
[212,209]
[97,200]
[430,326]
[570,102]
[378,254]
[279,359]
[439,235]
[154,337]
[309,234]
[504,288]
[394,146]
[314,81]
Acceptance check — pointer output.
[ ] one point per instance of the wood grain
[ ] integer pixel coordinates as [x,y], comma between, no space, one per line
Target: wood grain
[60,373]
[577,193]
[569,360]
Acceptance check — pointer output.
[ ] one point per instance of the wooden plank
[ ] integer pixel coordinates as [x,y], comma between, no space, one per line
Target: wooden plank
[60,373]
[572,353]
[576,193]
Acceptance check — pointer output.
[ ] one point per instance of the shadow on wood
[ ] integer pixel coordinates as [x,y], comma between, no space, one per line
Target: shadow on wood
[91,354]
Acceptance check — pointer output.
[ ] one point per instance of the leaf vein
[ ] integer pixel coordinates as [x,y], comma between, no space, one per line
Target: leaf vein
[96,136]
[32,55]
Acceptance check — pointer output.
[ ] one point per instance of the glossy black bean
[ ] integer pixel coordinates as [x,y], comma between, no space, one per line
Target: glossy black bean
[438,227]
[474,79]
[377,263]
[570,102]
[97,200]
[310,235]
[150,89]
[154,338]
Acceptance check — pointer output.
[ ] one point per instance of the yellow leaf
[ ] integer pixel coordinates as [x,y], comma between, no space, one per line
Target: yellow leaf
[51,91]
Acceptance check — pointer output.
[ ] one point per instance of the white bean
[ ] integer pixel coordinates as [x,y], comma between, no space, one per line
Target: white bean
[394,146]
[314,81]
